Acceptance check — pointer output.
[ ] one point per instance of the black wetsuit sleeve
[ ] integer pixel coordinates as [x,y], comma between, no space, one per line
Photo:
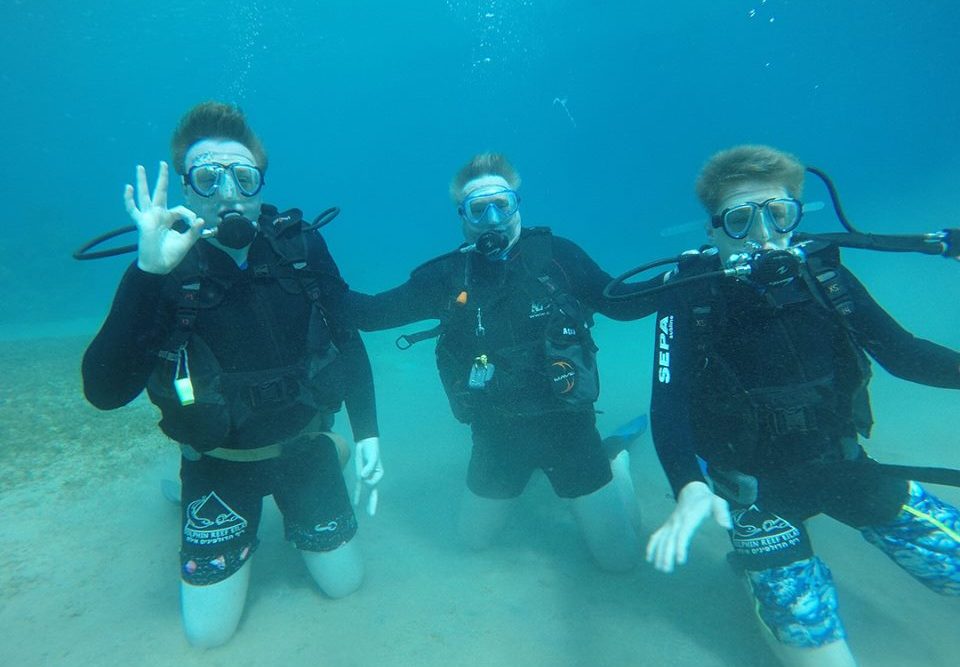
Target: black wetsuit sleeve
[674,372]
[359,395]
[419,298]
[121,357]
[588,281]
[895,348]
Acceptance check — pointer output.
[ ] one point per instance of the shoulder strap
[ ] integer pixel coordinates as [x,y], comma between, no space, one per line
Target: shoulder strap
[829,287]
[535,246]
[284,232]
[708,308]
[536,250]
[832,290]
[296,257]
[537,260]
[189,275]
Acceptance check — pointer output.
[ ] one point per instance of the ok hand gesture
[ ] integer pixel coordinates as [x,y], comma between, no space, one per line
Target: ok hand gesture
[160,248]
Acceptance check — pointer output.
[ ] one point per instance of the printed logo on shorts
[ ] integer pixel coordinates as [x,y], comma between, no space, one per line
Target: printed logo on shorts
[211,521]
[756,532]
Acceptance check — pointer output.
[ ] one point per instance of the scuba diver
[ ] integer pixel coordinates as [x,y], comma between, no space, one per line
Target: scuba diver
[760,397]
[230,319]
[518,363]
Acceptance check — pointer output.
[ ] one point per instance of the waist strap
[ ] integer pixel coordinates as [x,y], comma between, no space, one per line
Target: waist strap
[278,449]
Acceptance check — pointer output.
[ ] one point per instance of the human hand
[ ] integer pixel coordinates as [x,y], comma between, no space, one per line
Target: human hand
[160,248]
[369,470]
[669,545]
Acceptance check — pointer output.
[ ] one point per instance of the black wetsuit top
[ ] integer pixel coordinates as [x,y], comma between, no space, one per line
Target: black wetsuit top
[257,325]
[505,298]
[755,346]
[428,291]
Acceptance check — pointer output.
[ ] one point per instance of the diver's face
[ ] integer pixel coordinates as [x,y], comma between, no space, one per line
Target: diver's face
[761,232]
[227,196]
[478,189]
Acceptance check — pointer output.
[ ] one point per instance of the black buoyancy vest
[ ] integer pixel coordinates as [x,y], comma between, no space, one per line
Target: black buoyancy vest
[512,340]
[205,406]
[733,416]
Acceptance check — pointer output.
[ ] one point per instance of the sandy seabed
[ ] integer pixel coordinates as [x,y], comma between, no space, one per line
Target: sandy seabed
[88,566]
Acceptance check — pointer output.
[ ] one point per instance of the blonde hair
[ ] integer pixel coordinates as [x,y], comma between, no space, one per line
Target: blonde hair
[745,164]
[484,164]
[214,120]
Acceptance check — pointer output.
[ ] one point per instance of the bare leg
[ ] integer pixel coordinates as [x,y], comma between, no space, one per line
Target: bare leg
[338,573]
[607,527]
[835,654]
[211,613]
[620,467]
[481,519]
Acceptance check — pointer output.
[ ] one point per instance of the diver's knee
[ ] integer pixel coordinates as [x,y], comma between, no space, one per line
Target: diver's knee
[346,584]
[342,588]
[210,633]
[607,528]
[339,572]
[481,520]
[212,596]
[211,614]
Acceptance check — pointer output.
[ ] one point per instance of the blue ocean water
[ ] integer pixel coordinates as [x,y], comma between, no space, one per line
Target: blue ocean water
[608,110]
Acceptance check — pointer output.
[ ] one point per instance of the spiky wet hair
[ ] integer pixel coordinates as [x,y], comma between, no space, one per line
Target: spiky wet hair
[748,163]
[214,120]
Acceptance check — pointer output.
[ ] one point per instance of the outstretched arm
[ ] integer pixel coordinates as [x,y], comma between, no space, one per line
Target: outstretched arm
[589,281]
[401,305]
[419,298]
[895,348]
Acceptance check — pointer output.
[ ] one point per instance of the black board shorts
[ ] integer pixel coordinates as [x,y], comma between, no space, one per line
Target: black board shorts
[222,501]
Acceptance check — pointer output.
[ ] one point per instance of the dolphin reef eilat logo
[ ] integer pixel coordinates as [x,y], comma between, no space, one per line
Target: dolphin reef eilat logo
[210,520]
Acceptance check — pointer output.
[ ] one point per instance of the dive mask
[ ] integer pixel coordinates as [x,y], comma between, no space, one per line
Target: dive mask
[205,179]
[489,206]
[781,213]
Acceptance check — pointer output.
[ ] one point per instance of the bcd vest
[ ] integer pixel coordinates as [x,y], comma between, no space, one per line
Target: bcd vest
[203,405]
[512,340]
[738,422]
